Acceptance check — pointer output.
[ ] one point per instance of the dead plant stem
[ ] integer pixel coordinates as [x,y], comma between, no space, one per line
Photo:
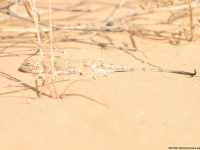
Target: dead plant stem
[191,22]
[52,54]
[108,20]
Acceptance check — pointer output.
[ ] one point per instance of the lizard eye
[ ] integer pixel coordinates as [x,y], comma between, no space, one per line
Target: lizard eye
[28,63]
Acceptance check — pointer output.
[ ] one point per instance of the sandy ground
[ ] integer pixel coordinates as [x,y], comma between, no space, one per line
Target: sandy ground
[147,110]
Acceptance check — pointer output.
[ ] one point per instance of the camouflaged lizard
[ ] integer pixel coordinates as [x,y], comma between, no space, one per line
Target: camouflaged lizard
[72,66]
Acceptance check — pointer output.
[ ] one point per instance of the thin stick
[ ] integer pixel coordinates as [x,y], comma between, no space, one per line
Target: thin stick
[10,2]
[66,9]
[107,27]
[4,4]
[172,8]
[129,14]
[84,28]
[149,11]
[36,25]
[32,79]
[99,44]
[79,40]
[52,54]
[31,12]
[37,49]
[191,22]
[113,3]
[165,9]
[39,12]
[43,49]
[108,20]
[142,24]
[22,30]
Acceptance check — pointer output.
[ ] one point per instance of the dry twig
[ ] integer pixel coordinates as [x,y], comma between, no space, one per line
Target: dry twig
[84,28]
[81,41]
[108,20]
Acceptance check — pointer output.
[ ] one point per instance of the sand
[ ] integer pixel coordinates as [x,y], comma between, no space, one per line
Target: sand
[147,110]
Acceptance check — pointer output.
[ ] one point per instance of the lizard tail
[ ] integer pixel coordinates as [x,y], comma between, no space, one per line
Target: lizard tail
[169,71]
[184,72]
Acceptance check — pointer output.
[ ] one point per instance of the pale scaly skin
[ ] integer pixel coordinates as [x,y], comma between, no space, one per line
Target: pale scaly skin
[71,66]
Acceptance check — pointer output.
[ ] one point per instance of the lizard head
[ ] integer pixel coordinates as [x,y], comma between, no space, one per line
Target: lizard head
[32,65]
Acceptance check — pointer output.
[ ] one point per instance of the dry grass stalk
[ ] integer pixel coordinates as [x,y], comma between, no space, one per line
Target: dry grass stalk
[52,53]
[191,22]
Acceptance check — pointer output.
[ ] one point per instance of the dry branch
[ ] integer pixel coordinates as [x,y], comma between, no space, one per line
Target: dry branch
[84,28]
[109,19]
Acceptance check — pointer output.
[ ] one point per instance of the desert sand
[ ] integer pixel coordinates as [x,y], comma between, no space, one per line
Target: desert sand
[147,110]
